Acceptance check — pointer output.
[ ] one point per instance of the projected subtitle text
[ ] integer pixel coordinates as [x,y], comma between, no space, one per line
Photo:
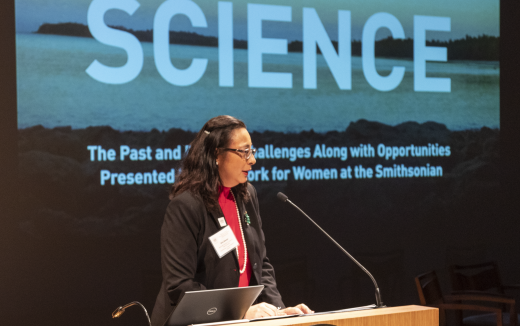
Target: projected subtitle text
[388,168]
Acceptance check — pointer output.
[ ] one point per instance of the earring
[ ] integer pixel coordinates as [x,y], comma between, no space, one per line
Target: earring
[216,162]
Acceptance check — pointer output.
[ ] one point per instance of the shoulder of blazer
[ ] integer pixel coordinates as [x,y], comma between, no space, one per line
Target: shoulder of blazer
[253,202]
[251,189]
[187,195]
[252,194]
[188,204]
[194,205]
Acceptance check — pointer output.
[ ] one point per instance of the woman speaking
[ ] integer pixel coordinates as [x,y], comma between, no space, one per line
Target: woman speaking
[210,193]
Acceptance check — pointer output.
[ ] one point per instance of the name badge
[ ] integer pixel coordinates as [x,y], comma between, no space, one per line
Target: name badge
[222,221]
[223,241]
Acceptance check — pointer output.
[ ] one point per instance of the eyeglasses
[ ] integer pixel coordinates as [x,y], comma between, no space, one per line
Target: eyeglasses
[245,153]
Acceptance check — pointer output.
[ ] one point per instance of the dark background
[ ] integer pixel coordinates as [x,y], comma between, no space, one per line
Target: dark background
[67,278]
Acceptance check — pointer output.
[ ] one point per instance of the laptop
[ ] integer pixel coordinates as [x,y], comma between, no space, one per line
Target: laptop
[209,306]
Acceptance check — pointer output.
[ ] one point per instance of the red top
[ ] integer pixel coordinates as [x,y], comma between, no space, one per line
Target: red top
[227,204]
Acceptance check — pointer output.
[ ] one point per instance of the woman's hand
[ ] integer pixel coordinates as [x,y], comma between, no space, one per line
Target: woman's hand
[263,310]
[298,310]
[267,310]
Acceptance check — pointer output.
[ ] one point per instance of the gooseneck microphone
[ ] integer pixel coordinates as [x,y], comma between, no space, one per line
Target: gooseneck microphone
[121,309]
[379,303]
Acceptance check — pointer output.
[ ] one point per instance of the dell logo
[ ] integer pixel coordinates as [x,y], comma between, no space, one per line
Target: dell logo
[212,311]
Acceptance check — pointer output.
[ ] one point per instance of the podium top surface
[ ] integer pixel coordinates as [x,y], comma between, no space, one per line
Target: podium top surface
[412,315]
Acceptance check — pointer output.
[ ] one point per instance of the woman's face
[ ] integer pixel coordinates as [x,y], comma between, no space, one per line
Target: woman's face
[232,166]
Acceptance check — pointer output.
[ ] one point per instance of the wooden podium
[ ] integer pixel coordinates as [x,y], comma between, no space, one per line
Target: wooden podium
[394,316]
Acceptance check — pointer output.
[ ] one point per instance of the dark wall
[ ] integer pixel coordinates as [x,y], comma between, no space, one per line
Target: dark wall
[64,279]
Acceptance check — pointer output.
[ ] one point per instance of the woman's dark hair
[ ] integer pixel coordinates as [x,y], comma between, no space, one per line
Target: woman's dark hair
[199,173]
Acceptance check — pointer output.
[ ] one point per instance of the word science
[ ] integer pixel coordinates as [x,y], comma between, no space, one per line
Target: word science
[314,36]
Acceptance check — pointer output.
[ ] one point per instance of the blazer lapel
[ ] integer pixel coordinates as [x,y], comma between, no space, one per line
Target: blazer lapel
[215,214]
[249,231]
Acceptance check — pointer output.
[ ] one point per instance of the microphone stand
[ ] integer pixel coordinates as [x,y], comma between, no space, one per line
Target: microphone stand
[121,309]
[379,303]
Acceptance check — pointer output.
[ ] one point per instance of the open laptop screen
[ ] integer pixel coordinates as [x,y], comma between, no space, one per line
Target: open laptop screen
[208,306]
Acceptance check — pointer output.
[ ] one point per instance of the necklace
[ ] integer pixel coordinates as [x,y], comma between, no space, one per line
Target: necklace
[243,238]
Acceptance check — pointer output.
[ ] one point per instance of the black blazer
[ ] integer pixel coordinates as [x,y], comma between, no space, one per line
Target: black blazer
[189,261]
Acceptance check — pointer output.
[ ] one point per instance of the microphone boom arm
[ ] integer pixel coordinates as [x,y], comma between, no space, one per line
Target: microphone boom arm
[379,303]
[121,309]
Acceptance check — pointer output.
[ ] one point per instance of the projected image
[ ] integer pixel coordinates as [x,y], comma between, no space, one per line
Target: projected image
[395,98]
[115,63]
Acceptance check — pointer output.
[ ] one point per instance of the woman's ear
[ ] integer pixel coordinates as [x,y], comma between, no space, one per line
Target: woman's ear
[217,152]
